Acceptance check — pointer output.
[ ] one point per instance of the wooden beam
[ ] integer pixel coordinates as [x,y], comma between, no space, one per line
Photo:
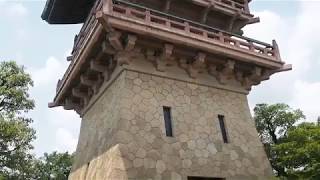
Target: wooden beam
[114,39]
[239,76]
[95,66]
[254,20]
[276,50]
[213,70]
[76,92]
[150,54]
[183,63]
[205,13]
[167,6]
[97,84]
[232,21]
[107,48]
[198,65]
[69,104]
[86,81]
[228,69]
[247,83]
[164,58]
[256,74]
[69,58]
[130,42]
[199,62]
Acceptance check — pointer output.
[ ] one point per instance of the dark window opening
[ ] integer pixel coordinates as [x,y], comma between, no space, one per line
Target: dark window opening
[223,129]
[204,178]
[167,120]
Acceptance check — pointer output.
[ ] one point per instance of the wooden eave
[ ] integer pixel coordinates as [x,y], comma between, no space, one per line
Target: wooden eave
[66,11]
[112,18]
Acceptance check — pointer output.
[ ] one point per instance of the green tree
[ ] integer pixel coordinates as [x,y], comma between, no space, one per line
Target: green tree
[273,123]
[54,166]
[299,152]
[15,131]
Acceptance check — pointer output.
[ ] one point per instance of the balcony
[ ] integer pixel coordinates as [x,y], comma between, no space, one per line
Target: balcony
[141,20]
[248,60]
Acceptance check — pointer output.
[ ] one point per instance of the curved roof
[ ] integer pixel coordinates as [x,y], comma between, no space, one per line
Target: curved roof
[66,11]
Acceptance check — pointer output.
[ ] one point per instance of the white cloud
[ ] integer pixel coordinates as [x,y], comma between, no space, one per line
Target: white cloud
[307,96]
[269,27]
[298,39]
[57,129]
[13,9]
[65,141]
[50,73]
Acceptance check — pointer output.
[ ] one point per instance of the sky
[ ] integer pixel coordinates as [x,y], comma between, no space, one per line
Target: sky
[42,49]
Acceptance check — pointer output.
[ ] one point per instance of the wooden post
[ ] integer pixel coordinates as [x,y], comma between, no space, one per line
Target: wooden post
[167,6]
[276,50]
[246,7]
[187,27]
[221,37]
[148,16]
[107,6]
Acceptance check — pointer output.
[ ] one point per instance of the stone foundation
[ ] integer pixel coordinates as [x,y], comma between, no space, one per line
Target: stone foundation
[123,133]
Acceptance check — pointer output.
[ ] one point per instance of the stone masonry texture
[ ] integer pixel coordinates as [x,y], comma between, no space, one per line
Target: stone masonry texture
[123,133]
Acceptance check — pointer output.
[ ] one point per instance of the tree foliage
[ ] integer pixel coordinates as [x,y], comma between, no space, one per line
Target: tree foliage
[299,152]
[15,131]
[293,151]
[54,166]
[16,134]
[273,121]
[14,87]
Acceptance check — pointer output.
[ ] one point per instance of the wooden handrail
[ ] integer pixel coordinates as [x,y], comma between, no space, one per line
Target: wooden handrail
[169,21]
[189,21]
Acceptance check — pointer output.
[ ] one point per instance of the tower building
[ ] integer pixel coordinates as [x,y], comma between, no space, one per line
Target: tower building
[161,86]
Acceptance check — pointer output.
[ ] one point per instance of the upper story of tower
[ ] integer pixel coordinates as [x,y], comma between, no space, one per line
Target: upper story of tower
[203,38]
[227,15]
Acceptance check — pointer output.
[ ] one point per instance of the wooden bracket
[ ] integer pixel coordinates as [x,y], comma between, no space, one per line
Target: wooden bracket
[95,66]
[114,39]
[130,42]
[164,58]
[70,105]
[183,63]
[107,48]
[76,92]
[86,81]
[198,65]
[97,84]
[228,69]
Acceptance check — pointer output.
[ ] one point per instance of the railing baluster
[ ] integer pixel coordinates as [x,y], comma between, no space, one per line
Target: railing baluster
[128,11]
[186,27]
[148,16]
[237,43]
[221,37]
[276,52]
[246,7]
[205,34]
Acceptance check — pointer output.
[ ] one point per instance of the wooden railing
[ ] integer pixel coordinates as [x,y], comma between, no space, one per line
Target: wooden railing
[153,17]
[150,16]
[79,40]
[86,26]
